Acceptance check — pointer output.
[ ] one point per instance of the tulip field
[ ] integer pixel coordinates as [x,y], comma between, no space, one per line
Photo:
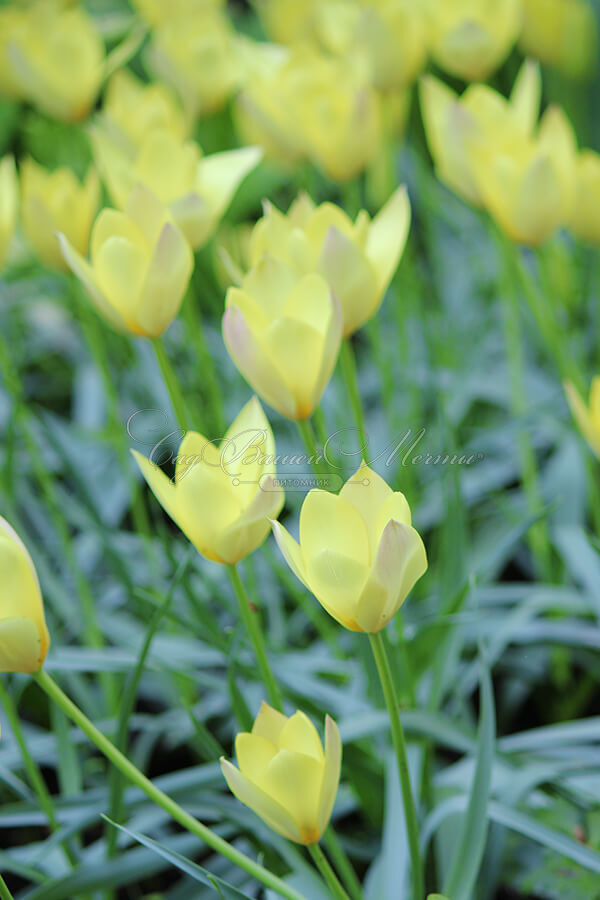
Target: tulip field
[299,450]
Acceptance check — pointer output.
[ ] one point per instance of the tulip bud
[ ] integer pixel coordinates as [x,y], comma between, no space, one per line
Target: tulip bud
[587,417]
[57,202]
[9,205]
[283,332]
[563,33]
[357,259]
[140,266]
[57,61]
[471,38]
[222,497]
[585,218]
[358,552]
[24,639]
[284,775]
[196,189]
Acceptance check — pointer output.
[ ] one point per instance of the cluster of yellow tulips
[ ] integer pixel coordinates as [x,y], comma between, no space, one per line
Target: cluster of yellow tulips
[329,87]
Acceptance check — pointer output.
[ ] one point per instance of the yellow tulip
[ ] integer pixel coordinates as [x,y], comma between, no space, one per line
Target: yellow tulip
[471,38]
[196,54]
[54,202]
[140,266]
[9,205]
[587,417]
[222,497]
[480,115]
[358,552]
[283,332]
[24,639]
[563,33]
[284,774]
[357,259]
[57,61]
[585,218]
[133,110]
[196,189]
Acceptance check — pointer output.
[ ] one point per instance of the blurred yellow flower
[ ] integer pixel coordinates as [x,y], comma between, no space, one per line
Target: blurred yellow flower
[57,60]
[12,21]
[9,205]
[587,417]
[133,110]
[471,38]
[284,774]
[563,33]
[24,639]
[288,21]
[54,202]
[481,115]
[196,54]
[283,332]
[222,495]
[358,552]
[357,259]
[140,266]
[585,218]
[197,189]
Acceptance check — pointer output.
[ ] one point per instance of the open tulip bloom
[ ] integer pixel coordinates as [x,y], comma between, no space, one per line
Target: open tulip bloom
[284,774]
[358,552]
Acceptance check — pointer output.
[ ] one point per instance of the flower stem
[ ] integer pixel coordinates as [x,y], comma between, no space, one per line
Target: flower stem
[410,815]
[137,778]
[343,864]
[255,634]
[329,876]
[172,384]
[348,364]
[310,443]
[5,894]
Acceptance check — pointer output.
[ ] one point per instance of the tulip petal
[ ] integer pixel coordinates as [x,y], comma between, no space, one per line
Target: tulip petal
[269,723]
[254,753]
[327,521]
[367,492]
[351,278]
[207,505]
[526,95]
[291,552]
[252,527]
[220,174]
[538,208]
[161,486]
[387,236]
[84,272]
[331,775]
[145,210]
[193,218]
[120,268]
[296,349]
[299,734]
[295,780]
[166,281]
[21,648]
[261,803]
[331,349]
[195,450]
[269,283]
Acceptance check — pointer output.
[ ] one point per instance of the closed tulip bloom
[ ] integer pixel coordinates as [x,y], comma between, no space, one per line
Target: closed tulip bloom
[196,189]
[283,331]
[140,266]
[358,552]
[480,115]
[587,416]
[562,33]
[9,205]
[222,496]
[24,639]
[585,218]
[54,202]
[284,774]
[357,259]
[471,38]
[57,60]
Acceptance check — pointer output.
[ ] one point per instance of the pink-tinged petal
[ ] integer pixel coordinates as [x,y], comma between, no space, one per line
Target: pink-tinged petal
[84,272]
[261,803]
[166,281]
[331,776]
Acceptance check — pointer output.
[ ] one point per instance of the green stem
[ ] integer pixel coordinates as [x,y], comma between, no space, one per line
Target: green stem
[187,821]
[343,864]
[410,815]
[253,627]
[5,894]
[310,444]
[172,384]
[348,364]
[329,876]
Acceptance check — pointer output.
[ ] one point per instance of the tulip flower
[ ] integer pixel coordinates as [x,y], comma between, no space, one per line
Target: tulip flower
[480,115]
[283,332]
[222,497]
[284,774]
[196,189]
[9,205]
[133,110]
[24,639]
[57,61]
[587,417]
[54,202]
[471,38]
[140,266]
[585,218]
[563,33]
[358,552]
[357,259]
